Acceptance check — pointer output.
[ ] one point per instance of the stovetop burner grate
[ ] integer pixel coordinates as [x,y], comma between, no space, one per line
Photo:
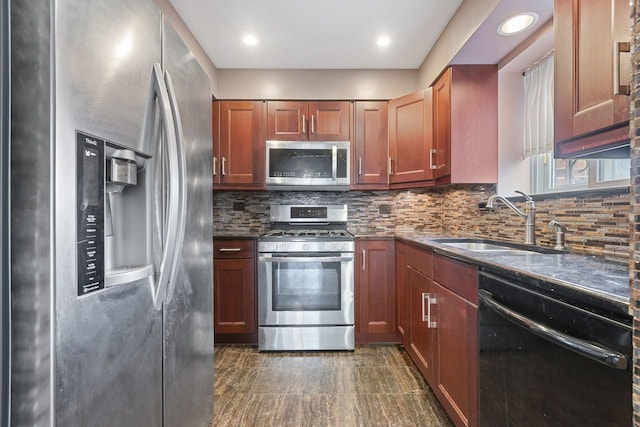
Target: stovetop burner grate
[319,233]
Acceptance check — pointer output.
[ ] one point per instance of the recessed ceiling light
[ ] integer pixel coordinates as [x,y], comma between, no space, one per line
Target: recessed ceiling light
[250,40]
[383,41]
[517,23]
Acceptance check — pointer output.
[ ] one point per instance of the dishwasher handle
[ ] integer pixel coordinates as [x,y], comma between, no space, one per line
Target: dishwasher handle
[608,357]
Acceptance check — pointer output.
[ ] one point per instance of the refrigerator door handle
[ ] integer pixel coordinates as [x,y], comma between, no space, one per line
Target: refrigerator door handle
[169,214]
[179,174]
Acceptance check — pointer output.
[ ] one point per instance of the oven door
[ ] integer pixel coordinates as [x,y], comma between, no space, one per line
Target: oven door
[305,289]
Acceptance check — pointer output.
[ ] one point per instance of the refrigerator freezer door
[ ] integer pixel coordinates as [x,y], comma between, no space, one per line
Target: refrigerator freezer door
[108,344]
[188,318]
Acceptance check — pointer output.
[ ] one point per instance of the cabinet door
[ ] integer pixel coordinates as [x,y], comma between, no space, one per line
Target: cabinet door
[375,290]
[421,336]
[329,121]
[591,76]
[402,293]
[465,121]
[287,120]
[439,154]
[410,137]
[371,145]
[215,135]
[241,152]
[457,348]
[234,296]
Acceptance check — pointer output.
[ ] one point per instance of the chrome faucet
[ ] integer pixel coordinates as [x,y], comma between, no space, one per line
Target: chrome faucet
[561,229]
[529,215]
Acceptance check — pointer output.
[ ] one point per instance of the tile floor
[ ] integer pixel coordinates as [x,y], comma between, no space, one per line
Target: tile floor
[375,385]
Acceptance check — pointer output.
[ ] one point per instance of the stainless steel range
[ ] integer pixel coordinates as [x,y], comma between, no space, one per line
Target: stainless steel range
[305,280]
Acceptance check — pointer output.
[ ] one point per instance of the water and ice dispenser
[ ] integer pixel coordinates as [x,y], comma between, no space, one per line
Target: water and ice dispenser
[113,214]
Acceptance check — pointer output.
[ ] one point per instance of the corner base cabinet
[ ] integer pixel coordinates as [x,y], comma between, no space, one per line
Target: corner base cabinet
[234,289]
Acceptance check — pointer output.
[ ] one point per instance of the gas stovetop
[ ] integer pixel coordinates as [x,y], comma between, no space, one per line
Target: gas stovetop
[307,228]
[313,233]
[306,241]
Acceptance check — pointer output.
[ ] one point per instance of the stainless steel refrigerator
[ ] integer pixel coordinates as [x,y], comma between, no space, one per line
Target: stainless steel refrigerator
[110,228]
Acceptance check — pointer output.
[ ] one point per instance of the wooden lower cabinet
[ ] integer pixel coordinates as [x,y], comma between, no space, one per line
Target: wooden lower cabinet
[457,348]
[375,299]
[402,293]
[234,287]
[438,321]
[421,336]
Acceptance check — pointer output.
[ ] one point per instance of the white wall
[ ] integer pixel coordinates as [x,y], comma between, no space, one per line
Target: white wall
[315,84]
[467,19]
[513,170]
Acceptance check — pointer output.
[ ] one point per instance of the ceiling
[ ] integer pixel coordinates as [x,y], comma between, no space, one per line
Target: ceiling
[341,34]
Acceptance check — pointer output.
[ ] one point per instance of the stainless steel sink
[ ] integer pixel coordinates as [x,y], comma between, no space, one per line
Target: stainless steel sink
[488,246]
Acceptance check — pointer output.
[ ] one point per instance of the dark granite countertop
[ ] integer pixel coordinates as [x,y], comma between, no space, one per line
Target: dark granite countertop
[592,279]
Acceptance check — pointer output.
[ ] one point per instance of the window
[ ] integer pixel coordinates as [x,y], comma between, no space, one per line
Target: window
[554,175]
[551,175]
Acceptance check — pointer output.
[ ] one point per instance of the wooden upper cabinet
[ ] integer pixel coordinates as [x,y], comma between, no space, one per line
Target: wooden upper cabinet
[592,72]
[371,145]
[329,121]
[440,153]
[287,120]
[312,121]
[410,138]
[465,119]
[238,148]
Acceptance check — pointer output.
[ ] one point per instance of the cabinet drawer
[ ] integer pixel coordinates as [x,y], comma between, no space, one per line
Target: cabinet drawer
[457,276]
[420,260]
[234,249]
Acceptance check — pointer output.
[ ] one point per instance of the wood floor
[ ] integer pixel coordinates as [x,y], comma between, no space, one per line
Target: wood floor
[373,386]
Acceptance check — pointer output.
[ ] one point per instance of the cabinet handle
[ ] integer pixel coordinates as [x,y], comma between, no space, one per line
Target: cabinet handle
[313,124]
[431,153]
[390,165]
[426,297]
[215,168]
[364,260]
[359,165]
[304,124]
[224,161]
[618,49]
[229,249]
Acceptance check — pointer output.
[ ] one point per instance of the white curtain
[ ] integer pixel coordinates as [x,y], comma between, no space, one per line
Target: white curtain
[538,109]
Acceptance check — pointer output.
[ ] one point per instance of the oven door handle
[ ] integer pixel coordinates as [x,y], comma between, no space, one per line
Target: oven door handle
[588,349]
[306,259]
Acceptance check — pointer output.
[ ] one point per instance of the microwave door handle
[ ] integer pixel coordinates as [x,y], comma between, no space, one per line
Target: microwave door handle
[270,259]
[334,162]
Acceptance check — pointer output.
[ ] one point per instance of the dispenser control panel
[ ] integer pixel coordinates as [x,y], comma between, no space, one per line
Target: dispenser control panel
[90,213]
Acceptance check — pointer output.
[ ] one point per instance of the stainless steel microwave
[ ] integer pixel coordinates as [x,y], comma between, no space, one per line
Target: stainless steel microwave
[303,165]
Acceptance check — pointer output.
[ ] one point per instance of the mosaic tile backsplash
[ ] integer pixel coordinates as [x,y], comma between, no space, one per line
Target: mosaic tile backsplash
[596,224]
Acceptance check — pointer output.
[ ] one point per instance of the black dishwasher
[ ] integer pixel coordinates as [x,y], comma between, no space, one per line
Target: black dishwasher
[547,361]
